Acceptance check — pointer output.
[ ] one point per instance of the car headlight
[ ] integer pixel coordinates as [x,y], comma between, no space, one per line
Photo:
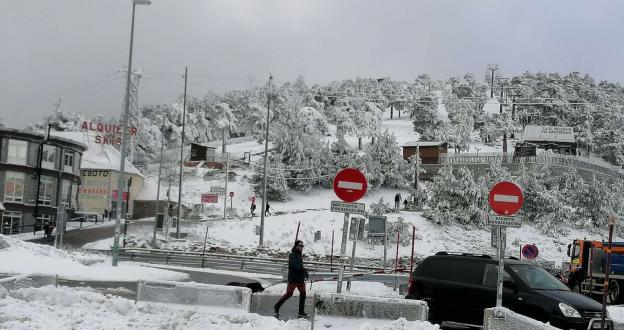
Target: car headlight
[569,311]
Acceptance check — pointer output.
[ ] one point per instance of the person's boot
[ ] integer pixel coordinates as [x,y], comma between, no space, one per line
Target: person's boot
[302,314]
[276,310]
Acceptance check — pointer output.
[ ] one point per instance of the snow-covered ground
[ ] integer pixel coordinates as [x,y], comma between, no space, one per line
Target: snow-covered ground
[23,258]
[63,308]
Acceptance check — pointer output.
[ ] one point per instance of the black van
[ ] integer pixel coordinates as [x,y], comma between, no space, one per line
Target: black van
[459,286]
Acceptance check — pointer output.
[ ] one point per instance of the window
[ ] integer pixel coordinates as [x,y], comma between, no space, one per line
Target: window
[11,222]
[18,152]
[490,277]
[537,278]
[42,219]
[65,198]
[68,162]
[48,157]
[14,187]
[77,163]
[73,197]
[46,189]
[461,271]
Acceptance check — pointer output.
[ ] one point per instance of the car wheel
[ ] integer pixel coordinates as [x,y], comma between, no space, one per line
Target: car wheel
[614,292]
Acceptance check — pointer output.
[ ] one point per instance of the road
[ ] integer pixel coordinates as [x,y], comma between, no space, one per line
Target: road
[77,238]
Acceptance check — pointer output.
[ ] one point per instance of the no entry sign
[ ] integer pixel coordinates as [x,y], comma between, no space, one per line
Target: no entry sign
[530,251]
[350,185]
[506,198]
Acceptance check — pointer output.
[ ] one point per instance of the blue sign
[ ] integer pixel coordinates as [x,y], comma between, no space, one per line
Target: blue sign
[530,251]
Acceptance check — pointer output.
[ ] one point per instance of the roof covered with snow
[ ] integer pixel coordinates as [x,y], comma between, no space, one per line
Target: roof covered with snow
[423,144]
[492,106]
[97,156]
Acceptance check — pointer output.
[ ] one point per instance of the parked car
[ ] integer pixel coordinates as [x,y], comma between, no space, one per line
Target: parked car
[459,286]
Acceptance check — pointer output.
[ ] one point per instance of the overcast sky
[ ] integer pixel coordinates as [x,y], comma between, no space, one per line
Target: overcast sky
[73,49]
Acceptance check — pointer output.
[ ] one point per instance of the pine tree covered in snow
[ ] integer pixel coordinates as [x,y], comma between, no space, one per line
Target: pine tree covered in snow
[277,189]
[384,164]
[454,195]
[461,112]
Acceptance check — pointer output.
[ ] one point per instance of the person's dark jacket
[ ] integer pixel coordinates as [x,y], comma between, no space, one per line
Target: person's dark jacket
[296,271]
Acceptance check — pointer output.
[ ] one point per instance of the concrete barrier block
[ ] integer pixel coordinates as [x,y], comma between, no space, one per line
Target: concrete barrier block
[501,318]
[194,294]
[370,307]
[27,281]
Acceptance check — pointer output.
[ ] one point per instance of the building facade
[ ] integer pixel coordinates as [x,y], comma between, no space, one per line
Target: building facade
[58,181]
[99,176]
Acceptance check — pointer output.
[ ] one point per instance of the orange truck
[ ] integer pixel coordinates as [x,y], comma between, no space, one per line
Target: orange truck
[587,269]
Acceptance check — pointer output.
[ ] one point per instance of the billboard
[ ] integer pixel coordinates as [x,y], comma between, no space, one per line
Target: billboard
[549,134]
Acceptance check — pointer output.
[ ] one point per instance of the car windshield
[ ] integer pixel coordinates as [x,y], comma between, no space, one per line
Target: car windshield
[537,278]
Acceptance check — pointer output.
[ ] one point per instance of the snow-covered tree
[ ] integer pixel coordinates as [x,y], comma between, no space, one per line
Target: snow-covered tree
[277,189]
[384,164]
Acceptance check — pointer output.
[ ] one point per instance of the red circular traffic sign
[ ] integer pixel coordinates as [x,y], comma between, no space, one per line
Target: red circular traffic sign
[231,194]
[350,185]
[530,251]
[253,199]
[506,198]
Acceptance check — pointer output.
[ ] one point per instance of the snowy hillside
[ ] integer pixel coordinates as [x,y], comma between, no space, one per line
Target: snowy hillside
[311,210]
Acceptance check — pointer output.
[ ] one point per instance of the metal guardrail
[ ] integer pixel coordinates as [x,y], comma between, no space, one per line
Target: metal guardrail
[253,264]
[576,162]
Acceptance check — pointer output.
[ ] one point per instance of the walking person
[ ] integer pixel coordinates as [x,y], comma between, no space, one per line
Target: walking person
[297,275]
[397,202]
[266,210]
[47,230]
[253,208]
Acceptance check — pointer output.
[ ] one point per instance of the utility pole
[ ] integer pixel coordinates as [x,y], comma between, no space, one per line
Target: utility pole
[162,145]
[502,82]
[225,194]
[182,156]
[492,68]
[266,157]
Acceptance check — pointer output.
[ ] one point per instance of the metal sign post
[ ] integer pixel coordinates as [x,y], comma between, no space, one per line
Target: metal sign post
[349,185]
[355,239]
[505,199]
[343,251]
[502,231]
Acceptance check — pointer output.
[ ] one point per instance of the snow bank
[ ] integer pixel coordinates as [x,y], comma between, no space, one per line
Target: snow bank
[195,294]
[371,307]
[511,321]
[63,308]
[20,257]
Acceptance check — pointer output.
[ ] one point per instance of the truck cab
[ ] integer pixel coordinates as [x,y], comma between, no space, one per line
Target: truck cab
[587,268]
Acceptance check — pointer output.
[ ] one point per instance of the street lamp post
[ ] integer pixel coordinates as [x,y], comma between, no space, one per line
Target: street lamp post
[266,157]
[39,161]
[124,138]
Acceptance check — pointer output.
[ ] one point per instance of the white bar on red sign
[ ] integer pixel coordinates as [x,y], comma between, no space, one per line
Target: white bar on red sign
[505,198]
[350,185]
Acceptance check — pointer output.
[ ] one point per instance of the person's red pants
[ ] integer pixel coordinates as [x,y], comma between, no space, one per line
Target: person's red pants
[290,289]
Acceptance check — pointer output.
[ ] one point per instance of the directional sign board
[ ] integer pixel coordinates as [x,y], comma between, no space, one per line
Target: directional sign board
[209,198]
[506,198]
[494,237]
[505,221]
[351,208]
[217,190]
[530,251]
[350,185]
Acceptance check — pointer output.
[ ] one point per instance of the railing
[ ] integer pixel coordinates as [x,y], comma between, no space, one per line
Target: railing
[264,265]
[576,162]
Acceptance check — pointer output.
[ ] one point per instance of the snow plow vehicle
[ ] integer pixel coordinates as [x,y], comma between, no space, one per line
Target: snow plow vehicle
[588,261]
